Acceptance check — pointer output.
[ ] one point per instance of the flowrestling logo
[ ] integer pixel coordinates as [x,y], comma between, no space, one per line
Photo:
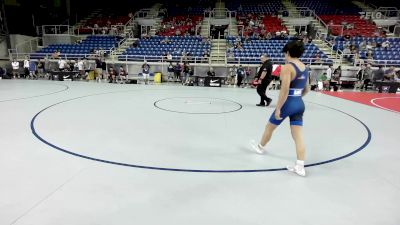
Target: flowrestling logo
[370,15]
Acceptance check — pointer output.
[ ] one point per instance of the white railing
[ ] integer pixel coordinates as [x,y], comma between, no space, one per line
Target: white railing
[57,29]
[217,12]
[67,56]
[237,27]
[337,25]
[387,12]
[158,58]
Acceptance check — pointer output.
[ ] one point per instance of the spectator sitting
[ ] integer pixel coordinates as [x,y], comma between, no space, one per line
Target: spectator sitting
[268,36]
[56,54]
[211,72]
[362,45]
[397,77]
[206,55]
[386,45]
[390,74]
[369,46]
[317,59]
[370,54]
[122,74]
[238,45]
[169,57]
[379,74]
[166,41]
[111,74]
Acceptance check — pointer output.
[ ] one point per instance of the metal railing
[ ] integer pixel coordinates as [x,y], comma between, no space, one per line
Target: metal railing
[161,59]
[27,46]
[256,60]
[57,29]
[387,12]
[337,25]
[240,31]
[220,13]
[21,56]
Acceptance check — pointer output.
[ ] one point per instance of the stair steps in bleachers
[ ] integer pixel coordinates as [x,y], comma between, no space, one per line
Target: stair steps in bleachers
[204,28]
[218,51]
[233,30]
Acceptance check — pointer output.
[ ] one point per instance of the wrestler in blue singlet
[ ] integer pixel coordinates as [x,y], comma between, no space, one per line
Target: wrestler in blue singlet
[294,105]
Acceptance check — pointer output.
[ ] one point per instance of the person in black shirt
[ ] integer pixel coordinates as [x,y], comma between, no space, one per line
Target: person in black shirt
[240,75]
[178,70]
[264,77]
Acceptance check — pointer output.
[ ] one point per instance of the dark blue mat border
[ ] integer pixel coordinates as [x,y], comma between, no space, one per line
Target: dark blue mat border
[32,124]
[66,87]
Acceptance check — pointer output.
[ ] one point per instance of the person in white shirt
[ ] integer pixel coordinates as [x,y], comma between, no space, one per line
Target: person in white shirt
[81,67]
[15,67]
[386,44]
[169,57]
[26,66]
[328,77]
[61,64]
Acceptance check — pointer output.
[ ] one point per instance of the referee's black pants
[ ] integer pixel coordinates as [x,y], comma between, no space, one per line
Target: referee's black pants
[261,89]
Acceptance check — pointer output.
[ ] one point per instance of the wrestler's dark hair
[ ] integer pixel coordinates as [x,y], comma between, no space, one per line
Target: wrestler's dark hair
[294,48]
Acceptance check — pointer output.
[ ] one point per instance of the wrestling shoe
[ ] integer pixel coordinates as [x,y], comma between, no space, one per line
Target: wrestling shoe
[257,147]
[299,170]
[269,100]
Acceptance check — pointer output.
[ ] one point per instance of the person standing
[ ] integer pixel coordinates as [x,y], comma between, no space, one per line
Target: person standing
[232,75]
[15,67]
[26,67]
[186,70]
[62,64]
[240,75]
[177,70]
[170,72]
[81,68]
[366,78]
[264,77]
[40,68]
[104,69]
[146,72]
[294,85]
[32,70]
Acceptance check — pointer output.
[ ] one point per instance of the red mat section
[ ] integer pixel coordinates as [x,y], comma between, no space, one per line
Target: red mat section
[390,102]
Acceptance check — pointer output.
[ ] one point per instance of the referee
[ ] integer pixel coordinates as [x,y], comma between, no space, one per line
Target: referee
[264,77]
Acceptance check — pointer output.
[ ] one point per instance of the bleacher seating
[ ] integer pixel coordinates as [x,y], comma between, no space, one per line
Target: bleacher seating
[182,23]
[381,56]
[253,49]
[152,49]
[271,23]
[361,26]
[78,50]
[330,7]
[255,7]
[105,21]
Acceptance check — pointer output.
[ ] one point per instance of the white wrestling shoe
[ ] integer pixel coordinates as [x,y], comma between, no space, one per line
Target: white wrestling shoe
[257,147]
[299,170]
